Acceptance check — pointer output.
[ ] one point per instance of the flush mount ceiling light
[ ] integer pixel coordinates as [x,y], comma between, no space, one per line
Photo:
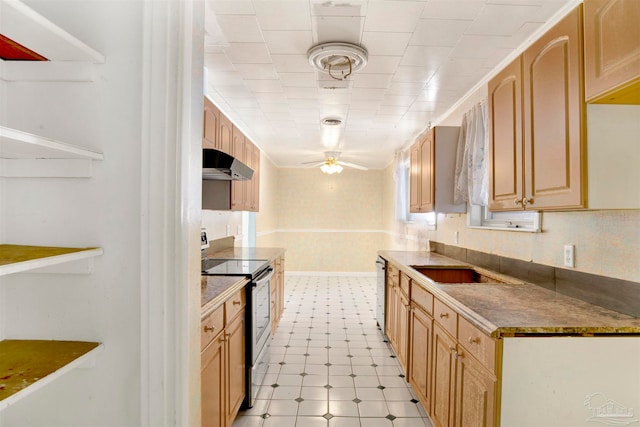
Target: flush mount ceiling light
[339,60]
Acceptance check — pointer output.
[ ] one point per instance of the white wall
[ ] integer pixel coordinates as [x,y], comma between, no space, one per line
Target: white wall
[101,211]
[217,223]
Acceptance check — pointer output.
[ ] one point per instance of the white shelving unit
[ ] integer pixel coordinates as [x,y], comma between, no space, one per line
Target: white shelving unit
[28,365]
[68,57]
[25,155]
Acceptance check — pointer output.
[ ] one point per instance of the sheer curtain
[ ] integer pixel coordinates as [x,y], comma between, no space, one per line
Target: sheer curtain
[401,178]
[472,173]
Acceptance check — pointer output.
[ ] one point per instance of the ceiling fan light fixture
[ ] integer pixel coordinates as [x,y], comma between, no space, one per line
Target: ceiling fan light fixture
[331,166]
[337,59]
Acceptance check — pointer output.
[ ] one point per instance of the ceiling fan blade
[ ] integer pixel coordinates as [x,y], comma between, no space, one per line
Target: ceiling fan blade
[313,164]
[352,165]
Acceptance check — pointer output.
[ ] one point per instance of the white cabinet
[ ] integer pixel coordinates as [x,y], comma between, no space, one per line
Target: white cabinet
[27,365]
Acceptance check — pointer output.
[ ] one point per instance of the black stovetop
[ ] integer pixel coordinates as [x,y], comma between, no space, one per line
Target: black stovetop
[234,267]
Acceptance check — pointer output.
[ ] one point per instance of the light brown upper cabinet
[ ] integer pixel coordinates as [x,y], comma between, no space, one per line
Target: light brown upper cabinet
[612,51]
[238,187]
[221,134]
[225,132]
[432,167]
[536,131]
[211,126]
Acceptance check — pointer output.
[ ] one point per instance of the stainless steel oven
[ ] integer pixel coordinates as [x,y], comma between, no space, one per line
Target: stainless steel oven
[258,332]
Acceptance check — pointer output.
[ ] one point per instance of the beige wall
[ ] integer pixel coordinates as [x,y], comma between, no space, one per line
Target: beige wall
[327,223]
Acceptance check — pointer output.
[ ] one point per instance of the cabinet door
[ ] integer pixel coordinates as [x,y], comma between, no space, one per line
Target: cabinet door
[414,178]
[612,56]
[402,332]
[248,185]
[427,172]
[255,182]
[390,324]
[237,187]
[505,138]
[475,395]
[213,383]
[235,356]
[444,374]
[210,125]
[225,136]
[420,356]
[553,112]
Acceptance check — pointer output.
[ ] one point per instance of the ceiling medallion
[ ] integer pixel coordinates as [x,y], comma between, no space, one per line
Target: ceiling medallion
[339,60]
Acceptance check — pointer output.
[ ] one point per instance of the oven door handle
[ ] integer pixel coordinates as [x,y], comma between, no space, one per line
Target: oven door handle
[267,275]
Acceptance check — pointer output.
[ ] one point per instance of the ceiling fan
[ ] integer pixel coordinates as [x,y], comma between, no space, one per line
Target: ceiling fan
[331,164]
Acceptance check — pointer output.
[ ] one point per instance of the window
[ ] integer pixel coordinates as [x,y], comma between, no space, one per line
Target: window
[481,217]
[402,179]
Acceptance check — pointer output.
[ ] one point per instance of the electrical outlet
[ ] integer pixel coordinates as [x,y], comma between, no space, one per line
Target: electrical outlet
[456,237]
[569,256]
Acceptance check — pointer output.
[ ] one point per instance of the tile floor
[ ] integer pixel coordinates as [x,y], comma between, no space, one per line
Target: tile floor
[330,365]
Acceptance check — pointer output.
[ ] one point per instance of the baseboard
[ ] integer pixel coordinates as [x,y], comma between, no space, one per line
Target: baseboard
[331,273]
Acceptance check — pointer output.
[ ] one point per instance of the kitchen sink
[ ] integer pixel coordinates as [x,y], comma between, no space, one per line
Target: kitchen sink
[465,275]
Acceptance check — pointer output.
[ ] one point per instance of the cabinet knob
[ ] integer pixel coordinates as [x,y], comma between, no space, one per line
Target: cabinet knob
[444,315]
[452,349]
[209,329]
[222,338]
[526,201]
[517,201]
[474,340]
[237,302]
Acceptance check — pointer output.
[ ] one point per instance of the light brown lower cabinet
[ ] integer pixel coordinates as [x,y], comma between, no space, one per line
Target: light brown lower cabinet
[222,369]
[212,374]
[397,321]
[450,364]
[475,393]
[235,355]
[420,345]
[444,378]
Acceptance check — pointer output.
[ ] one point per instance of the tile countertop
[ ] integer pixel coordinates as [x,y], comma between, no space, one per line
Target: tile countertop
[217,289]
[505,310]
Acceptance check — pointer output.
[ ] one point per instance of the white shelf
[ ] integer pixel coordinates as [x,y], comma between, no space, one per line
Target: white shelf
[28,365]
[24,154]
[16,144]
[19,258]
[25,26]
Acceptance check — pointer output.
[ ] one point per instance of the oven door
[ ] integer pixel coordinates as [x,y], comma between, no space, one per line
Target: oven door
[260,312]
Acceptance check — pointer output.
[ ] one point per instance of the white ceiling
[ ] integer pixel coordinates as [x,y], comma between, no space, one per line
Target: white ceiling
[423,57]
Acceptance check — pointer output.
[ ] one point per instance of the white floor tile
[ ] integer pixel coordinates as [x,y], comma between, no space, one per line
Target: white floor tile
[332,320]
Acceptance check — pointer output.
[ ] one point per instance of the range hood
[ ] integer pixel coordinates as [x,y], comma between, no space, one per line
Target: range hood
[220,166]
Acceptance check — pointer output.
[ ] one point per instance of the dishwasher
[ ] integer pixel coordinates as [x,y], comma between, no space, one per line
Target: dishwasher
[381,268]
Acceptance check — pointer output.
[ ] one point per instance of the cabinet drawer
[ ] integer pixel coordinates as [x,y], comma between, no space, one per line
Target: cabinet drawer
[405,283]
[477,343]
[422,298]
[446,317]
[234,304]
[212,325]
